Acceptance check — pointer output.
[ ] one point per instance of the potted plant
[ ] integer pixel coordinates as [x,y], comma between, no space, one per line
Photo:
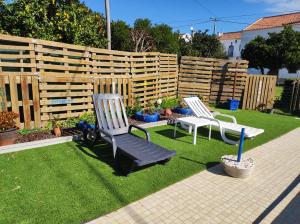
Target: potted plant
[168,104]
[56,126]
[183,108]
[8,129]
[148,114]
[136,107]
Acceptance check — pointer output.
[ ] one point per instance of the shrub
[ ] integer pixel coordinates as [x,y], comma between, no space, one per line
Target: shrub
[169,103]
[88,117]
[7,120]
[136,107]
[28,131]
[150,108]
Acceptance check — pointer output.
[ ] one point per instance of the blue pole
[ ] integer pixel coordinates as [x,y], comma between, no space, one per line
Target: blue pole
[241,145]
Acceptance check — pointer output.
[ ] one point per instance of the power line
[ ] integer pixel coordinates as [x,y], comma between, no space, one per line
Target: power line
[254,15]
[204,7]
[191,24]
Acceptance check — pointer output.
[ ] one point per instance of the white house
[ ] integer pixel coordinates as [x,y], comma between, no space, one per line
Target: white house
[187,37]
[231,43]
[262,27]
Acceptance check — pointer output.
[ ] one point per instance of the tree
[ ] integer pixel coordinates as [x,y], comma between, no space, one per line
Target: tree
[141,36]
[279,50]
[2,7]
[203,45]
[285,48]
[120,34]
[67,21]
[165,40]
[256,53]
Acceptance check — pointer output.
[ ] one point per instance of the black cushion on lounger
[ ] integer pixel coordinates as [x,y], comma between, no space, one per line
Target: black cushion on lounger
[113,127]
[141,151]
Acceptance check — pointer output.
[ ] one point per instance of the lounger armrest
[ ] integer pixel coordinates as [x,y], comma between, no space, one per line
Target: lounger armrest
[112,138]
[225,115]
[141,129]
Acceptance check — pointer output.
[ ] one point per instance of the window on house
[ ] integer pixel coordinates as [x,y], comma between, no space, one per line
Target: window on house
[230,50]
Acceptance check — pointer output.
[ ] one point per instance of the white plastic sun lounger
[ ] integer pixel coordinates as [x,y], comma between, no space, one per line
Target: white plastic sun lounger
[201,111]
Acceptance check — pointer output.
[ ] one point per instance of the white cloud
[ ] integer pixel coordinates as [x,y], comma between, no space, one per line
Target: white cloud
[280,5]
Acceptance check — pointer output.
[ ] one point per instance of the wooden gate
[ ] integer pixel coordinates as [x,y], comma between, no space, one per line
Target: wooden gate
[259,91]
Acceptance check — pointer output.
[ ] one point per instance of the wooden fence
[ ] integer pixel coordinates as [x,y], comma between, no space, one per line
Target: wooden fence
[41,79]
[290,98]
[259,91]
[215,80]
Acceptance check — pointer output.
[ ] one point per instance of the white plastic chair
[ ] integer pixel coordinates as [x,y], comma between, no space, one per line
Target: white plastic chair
[200,110]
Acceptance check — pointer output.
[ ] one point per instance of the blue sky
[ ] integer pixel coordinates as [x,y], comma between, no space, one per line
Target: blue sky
[182,14]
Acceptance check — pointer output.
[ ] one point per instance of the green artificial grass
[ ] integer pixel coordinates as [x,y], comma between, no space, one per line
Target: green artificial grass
[69,183]
[278,91]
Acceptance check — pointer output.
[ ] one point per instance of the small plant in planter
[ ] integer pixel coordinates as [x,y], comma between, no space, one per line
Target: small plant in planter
[168,104]
[8,129]
[149,114]
[136,107]
[56,127]
[183,108]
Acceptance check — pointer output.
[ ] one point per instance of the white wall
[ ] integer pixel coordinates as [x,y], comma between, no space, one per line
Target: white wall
[236,44]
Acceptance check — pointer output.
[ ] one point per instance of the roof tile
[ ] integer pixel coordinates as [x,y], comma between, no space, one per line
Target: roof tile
[275,21]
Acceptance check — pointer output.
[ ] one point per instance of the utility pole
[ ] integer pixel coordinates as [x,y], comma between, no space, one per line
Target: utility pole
[108,30]
[214,20]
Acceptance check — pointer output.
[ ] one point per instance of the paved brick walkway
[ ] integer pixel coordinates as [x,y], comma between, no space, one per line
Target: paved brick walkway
[271,195]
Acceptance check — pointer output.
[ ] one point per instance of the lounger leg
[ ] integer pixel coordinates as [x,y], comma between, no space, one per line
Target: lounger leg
[117,162]
[209,134]
[97,137]
[175,129]
[195,135]
[130,168]
[190,129]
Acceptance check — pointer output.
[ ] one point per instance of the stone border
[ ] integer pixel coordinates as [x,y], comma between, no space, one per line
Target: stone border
[53,141]
[34,144]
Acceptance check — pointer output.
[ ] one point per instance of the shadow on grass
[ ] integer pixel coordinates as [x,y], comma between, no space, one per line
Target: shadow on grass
[104,153]
[109,186]
[212,167]
[202,133]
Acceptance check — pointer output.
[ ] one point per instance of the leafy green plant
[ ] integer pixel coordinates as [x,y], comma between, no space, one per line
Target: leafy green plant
[169,103]
[70,122]
[150,108]
[136,107]
[28,131]
[88,117]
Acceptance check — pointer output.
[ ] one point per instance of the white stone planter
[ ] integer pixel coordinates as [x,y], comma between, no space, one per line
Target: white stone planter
[236,169]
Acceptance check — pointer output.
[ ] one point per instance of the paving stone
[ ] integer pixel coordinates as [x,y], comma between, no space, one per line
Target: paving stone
[212,197]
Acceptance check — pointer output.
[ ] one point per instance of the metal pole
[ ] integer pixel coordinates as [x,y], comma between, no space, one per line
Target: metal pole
[241,145]
[214,19]
[107,12]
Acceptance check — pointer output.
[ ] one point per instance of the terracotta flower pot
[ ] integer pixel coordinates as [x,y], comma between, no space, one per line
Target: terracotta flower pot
[8,137]
[168,112]
[57,131]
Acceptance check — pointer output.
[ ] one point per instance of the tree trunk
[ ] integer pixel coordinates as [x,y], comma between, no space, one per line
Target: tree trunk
[262,70]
